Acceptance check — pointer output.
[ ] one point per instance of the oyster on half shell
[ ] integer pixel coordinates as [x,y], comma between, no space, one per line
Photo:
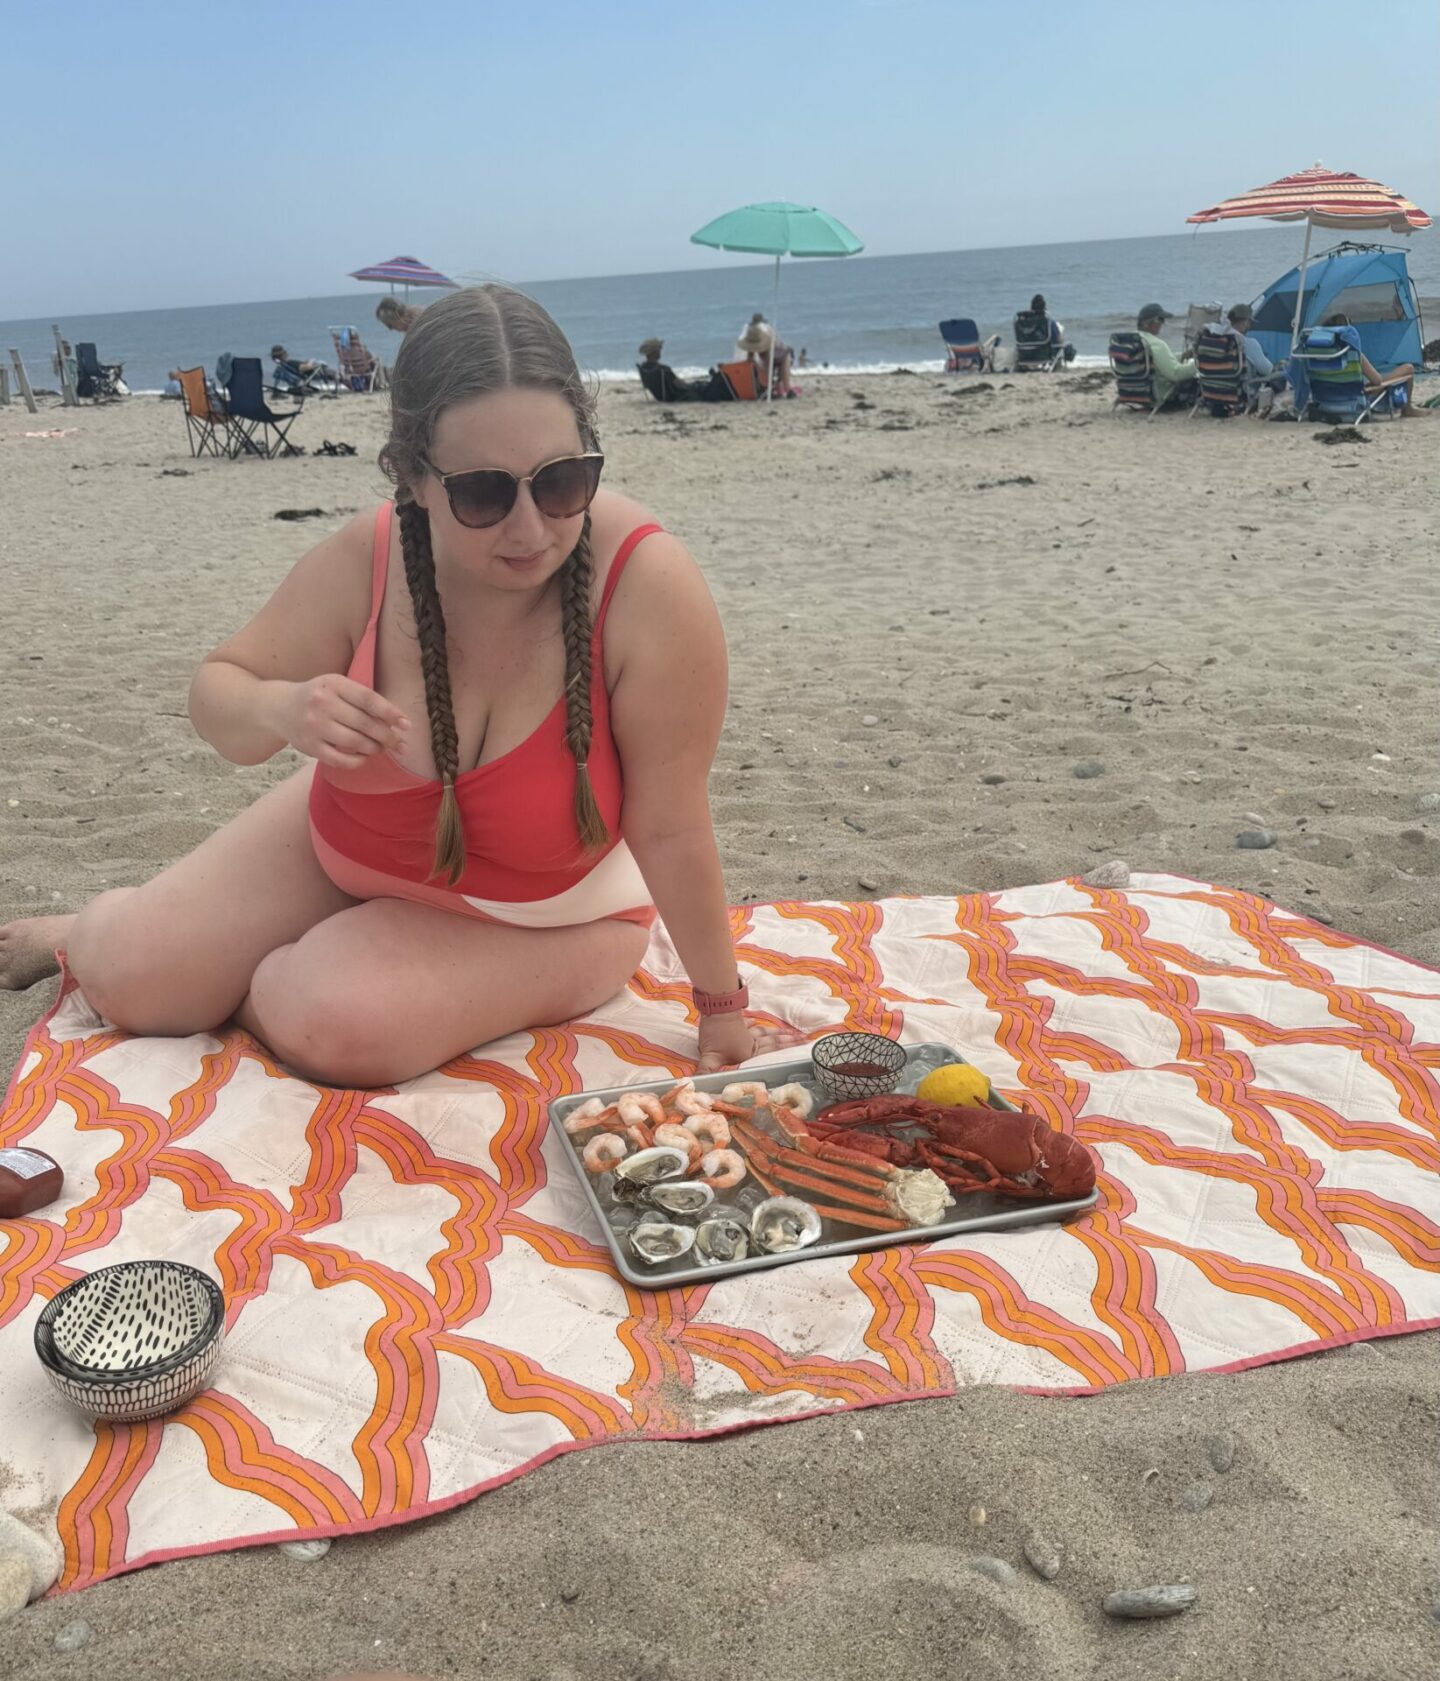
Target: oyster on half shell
[646,1168]
[720,1239]
[780,1224]
[655,1239]
[679,1196]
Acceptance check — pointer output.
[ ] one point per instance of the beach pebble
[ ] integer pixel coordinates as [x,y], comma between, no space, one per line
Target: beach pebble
[14,1585]
[1428,802]
[41,1557]
[1254,817]
[996,1569]
[305,1552]
[1042,1555]
[1381,758]
[569,1594]
[869,720]
[1254,840]
[1087,770]
[1220,1449]
[1114,874]
[1323,916]
[1326,805]
[993,778]
[1150,1602]
[977,1514]
[73,1636]
[868,885]
[1195,1497]
[894,763]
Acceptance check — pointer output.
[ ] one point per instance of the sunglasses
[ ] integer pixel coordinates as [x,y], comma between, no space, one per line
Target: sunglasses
[560,489]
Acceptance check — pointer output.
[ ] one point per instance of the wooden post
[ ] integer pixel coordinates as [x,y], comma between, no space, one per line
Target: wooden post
[4,386]
[22,381]
[67,388]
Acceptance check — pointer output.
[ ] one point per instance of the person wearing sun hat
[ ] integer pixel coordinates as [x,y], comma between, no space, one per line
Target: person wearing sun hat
[1171,375]
[754,343]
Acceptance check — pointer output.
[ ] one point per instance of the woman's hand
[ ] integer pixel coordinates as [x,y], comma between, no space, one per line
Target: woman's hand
[728,1040]
[338,721]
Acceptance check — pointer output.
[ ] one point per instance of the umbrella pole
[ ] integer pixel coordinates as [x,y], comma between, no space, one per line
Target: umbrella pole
[774,333]
[1300,289]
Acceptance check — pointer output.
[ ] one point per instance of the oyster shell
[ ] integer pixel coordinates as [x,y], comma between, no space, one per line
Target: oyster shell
[780,1224]
[646,1167]
[720,1239]
[655,1239]
[679,1196]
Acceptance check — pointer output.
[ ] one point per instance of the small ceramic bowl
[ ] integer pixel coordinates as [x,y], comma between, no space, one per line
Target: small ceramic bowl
[830,1055]
[132,1341]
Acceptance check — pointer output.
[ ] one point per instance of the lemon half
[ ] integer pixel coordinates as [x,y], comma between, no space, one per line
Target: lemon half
[955,1083]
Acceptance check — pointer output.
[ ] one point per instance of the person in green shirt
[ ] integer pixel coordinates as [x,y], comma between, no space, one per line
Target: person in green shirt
[1171,375]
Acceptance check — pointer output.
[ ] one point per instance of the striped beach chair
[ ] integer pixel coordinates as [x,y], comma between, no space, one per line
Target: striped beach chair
[1220,373]
[1134,377]
[1035,346]
[1327,360]
[964,351]
[359,369]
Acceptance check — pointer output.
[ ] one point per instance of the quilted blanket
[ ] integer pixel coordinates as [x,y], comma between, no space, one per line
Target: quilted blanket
[420,1307]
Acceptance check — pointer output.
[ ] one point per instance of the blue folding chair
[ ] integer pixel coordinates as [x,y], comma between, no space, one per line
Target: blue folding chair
[252,423]
[965,353]
[1329,378]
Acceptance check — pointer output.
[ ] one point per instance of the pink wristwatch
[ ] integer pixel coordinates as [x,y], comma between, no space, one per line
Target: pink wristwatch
[720,1003]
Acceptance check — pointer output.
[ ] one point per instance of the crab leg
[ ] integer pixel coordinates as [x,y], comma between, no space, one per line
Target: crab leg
[830,1211]
[796,1171]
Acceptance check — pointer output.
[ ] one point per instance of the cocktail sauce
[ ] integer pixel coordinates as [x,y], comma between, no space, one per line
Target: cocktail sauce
[28,1180]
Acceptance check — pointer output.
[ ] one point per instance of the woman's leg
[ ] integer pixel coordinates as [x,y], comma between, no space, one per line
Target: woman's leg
[391,989]
[176,955]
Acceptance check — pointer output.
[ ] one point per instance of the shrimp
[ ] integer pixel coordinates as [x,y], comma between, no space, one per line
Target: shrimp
[603,1152]
[720,1169]
[638,1138]
[589,1116]
[738,1091]
[694,1102]
[636,1108]
[713,1131]
[795,1097]
[676,1138]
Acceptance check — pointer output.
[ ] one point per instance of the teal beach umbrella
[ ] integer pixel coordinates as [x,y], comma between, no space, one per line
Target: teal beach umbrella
[778,230]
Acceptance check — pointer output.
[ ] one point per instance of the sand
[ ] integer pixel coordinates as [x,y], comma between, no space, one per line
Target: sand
[1148,637]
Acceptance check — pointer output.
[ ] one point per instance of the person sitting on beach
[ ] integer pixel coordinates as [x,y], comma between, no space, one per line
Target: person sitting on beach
[1174,379]
[661,380]
[398,317]
[1260,372]
[513,684]
[755,343]
[1058,346]
[1401,378]
[296,373]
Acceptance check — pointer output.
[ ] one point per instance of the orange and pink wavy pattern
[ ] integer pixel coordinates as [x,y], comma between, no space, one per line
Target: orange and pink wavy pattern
[419,1306]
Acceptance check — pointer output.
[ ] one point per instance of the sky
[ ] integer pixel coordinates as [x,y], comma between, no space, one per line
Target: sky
[168,154]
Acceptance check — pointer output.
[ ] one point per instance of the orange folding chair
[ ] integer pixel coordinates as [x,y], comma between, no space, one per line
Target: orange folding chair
[745,383]
[206,420]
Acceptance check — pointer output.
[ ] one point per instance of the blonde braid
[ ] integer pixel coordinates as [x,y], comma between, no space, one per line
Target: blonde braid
[430,628]
[579,725]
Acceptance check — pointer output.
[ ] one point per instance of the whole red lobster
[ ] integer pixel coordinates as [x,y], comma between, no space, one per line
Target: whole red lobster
[1007,1152]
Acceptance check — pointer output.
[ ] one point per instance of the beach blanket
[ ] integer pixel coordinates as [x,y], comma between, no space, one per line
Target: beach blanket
[420,1306]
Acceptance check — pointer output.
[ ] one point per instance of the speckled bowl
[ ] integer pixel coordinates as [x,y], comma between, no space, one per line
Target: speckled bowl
[837,1048]
[132,1341]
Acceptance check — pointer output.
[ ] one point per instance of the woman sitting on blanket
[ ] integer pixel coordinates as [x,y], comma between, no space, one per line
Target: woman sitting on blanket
[513,684]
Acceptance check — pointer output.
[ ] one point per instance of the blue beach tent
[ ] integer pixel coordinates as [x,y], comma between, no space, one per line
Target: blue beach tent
[1369,283]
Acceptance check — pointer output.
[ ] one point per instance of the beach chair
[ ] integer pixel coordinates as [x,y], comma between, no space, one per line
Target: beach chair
[1197,318]
[746,384]
[1329,378]
[97,380]
[206,422]
[662,382]
[1035,349]
[290,380]
[1134,377]
[1220,374]
[964,352]
[252,422]
[359,370]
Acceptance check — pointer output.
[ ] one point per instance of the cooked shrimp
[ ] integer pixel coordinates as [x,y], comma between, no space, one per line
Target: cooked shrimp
[635,1108]
[795,1097]
[694,1103]
[739,1091]
[721,1169]
[603,1152]
[713,1131]
[676,1138]
[589,1116]
[638,1138]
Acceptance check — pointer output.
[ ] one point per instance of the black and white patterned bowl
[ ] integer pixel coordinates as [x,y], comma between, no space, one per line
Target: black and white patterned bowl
[132,1341]
[838,1048]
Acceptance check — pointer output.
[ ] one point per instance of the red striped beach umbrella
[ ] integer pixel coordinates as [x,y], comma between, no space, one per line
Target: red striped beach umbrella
[403,271]
[1321,198]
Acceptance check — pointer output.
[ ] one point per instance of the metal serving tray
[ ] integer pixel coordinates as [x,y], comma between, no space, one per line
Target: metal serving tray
[976,1213]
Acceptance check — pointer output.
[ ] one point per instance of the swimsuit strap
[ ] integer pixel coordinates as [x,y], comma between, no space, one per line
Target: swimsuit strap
[380,561]
[617,566]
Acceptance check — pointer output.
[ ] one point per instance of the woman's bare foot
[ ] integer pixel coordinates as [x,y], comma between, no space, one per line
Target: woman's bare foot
[27,950]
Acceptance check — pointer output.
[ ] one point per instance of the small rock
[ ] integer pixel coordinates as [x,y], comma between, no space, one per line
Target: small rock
[1087,770]
[869,885]
[1326,805]
[869,720]
[1414,837]
[1150,1602]
[894,763]
[1266,889]
[1253,817]
[1196,1497]
[977,1514]
[996,1569]
[1220,1450]
[14,1585]
[992,778]
[305,1552]
[568,1596]
[1428,802]
[1254,840]
[73,1636]
[1381,758]
[1322,916]
[1043,1556]
[1114,874]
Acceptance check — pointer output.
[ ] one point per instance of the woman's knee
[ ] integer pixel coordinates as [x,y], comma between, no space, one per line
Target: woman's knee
[323,1029]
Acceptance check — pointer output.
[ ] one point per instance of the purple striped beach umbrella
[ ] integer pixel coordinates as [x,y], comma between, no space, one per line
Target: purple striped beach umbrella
[404,271]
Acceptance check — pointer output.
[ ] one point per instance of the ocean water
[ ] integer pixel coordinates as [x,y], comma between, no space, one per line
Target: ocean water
[855,315]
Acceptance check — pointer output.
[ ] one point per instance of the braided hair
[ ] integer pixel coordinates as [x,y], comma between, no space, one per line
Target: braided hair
[484,339]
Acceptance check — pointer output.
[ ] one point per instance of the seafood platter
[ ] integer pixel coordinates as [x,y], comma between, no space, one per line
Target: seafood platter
[852,1147]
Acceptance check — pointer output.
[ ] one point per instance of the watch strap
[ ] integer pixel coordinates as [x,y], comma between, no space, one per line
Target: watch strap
[720,1003]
